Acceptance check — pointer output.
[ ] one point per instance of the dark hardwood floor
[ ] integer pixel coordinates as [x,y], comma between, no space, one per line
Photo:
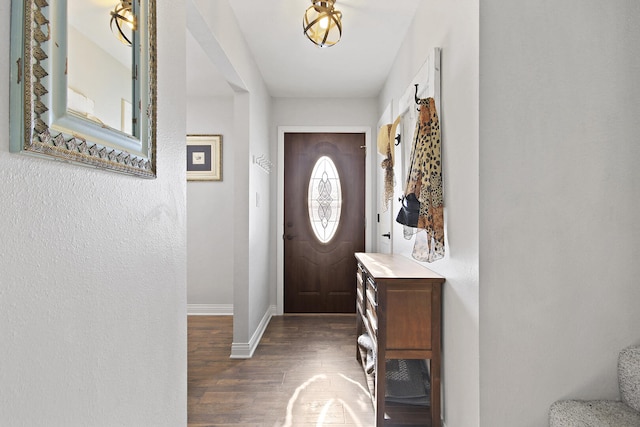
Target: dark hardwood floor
[304,373]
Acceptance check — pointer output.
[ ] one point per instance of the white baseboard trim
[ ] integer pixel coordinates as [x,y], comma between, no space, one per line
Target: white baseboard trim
[246,350]
[210,309]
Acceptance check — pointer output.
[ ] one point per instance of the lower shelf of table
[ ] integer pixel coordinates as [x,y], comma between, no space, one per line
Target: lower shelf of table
[396,414]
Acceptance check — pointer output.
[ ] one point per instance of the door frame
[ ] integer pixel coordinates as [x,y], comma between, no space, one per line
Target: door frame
[384,223]
[368,200]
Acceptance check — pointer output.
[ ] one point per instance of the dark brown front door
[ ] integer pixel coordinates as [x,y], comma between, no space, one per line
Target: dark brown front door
[319,243]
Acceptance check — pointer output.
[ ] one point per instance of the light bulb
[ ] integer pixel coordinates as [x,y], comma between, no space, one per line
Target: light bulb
[322,23]
[128,18]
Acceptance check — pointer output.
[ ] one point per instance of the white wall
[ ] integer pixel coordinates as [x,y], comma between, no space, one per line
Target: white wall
[210,223]
[93,273]
[324,112]
[214,25]
[452,26]
[261,235]
[559,200]
[97,75]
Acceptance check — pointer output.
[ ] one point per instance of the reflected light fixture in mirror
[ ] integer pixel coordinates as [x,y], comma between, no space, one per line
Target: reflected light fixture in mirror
[124,21]
[322,23]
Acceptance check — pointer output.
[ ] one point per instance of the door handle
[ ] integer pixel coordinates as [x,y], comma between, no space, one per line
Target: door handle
[387,235]
[290,236]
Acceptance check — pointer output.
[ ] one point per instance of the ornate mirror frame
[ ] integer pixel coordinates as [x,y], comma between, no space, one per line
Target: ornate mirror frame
[40,123]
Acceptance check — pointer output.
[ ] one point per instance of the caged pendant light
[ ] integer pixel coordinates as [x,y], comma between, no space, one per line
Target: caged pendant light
[124,21]
[322,24]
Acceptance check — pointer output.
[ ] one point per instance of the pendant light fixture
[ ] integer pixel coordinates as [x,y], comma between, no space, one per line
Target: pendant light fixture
[124,21]
[322,24]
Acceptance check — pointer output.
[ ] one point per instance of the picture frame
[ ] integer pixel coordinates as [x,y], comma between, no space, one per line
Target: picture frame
[204,157]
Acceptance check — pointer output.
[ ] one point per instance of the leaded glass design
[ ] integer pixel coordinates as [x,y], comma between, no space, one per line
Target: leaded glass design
[324,199]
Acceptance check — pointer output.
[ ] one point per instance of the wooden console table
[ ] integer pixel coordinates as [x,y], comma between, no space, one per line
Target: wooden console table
[399,305]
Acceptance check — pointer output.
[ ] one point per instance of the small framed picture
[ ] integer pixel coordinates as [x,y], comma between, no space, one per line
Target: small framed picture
[204,157]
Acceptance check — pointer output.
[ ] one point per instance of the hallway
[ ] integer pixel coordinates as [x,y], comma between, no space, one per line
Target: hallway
[304,373]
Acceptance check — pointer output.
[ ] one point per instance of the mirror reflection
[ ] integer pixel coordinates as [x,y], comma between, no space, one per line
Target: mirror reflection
[79,93]
[100,63]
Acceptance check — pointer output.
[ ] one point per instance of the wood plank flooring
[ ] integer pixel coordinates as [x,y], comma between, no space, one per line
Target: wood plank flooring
[304,373]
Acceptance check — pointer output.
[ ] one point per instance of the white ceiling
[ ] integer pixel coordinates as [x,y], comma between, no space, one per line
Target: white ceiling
[91,18]
[292,66]
[203,78]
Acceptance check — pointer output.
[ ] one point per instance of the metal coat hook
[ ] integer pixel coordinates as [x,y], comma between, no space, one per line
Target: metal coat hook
[264,163]
[416,97]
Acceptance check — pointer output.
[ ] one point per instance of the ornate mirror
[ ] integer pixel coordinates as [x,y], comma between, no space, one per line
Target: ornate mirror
[83,82]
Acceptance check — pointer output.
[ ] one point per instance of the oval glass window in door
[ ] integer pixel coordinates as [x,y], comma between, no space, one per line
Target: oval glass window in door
[324,199]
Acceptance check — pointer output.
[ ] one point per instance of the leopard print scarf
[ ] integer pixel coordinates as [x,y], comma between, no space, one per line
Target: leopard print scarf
[425,181]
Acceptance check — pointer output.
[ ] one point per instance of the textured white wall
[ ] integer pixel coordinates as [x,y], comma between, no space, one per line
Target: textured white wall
[559,200]
[93,274]
[210,210]
[452,26]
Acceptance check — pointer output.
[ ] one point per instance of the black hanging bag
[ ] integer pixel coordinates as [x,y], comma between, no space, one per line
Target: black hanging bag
[409,211]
